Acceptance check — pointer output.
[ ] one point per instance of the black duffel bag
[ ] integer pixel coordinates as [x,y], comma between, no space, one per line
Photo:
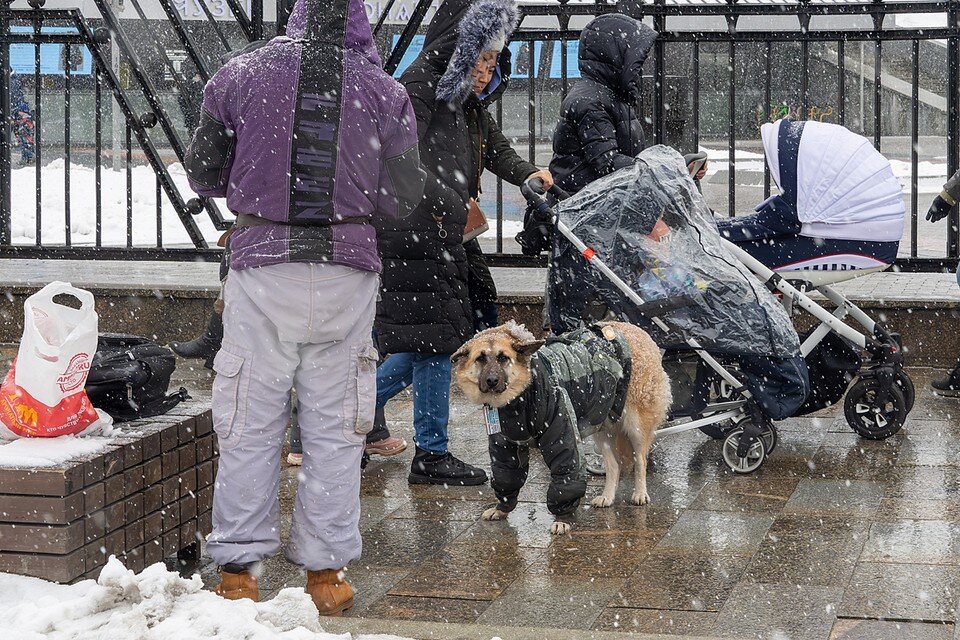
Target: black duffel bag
[129,377]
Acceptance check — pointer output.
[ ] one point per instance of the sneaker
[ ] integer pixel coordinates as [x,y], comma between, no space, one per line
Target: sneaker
[443,468]
[595,464]
[387,447]
[295,459]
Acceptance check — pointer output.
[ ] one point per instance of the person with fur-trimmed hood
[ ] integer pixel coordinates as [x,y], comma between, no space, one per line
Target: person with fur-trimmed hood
[425,313]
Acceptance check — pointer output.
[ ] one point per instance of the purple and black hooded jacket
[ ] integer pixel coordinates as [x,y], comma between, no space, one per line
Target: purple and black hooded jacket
[308,134]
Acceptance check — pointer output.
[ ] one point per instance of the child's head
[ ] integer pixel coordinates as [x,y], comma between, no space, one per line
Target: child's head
[484,71]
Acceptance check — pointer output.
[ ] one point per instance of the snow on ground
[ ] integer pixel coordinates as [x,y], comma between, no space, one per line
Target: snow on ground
[155,605]
[48,452]
[83,219]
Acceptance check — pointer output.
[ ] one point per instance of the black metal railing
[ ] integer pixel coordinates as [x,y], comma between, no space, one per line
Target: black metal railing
[91,76]
[715,75]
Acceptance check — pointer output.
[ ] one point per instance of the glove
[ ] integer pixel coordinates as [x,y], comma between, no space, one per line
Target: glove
[939,209]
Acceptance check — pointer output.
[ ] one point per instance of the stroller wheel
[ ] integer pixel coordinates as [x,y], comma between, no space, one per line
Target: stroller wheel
[754,458]
[867,418]
[906,386]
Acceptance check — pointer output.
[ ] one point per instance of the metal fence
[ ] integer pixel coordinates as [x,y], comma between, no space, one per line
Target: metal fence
[709,52]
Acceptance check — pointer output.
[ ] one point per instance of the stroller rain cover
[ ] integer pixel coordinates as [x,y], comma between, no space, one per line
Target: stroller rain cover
[652,227]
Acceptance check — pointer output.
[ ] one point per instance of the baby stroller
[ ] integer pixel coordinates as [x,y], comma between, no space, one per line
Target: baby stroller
[734,358]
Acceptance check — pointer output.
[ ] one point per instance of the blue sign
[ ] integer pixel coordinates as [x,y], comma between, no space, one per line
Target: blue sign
[416,46]
[573,68]
[52,58]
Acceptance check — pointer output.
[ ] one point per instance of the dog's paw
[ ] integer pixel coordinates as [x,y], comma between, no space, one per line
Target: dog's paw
[602,502]
[559,528]
[640,498]
[494,514]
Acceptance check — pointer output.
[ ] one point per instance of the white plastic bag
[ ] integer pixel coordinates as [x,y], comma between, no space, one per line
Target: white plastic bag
[43,395]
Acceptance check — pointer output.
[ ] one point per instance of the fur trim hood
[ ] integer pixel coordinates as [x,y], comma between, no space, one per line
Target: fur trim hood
[485,26]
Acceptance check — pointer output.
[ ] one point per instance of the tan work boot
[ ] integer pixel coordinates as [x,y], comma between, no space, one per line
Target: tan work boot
[234,586]
[330,592]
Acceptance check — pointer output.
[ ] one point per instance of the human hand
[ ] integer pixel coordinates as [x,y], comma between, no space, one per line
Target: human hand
[701,172]
[939,209]
[543,175]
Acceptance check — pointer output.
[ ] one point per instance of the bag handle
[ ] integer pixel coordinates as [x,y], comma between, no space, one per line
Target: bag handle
[48,293]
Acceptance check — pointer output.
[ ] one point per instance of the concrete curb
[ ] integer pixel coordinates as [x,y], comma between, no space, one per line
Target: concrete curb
[456,631]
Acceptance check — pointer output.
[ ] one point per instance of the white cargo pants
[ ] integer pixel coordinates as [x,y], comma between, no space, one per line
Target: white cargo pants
[308,327]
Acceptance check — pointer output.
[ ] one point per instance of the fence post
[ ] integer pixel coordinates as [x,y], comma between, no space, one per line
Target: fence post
[953,119]
[6,222]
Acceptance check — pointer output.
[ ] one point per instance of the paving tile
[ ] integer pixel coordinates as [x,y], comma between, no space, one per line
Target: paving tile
[373,509]
[369,585]
[918,509]
[926,483]
[865,463]
[540,599]
[835,497]
[902,591]
[426,609]
[690,581]
[442,510]
[527,526]
[778,611]
[596,554]
[733,533]
[876,629]
[468,571]
[398,544]
[913,541]
[648,520]
[809,550]
[682,623]
[756,492]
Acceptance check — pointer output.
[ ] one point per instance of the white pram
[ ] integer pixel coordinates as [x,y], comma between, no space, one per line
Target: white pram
[659,261]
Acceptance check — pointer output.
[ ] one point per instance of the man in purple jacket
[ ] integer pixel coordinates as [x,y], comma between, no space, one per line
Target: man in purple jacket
[309,141]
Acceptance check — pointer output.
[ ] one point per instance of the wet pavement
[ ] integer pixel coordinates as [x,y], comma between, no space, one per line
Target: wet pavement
[835,537]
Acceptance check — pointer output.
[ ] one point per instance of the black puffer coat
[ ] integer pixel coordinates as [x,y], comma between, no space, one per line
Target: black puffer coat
[599,129]
[425,305]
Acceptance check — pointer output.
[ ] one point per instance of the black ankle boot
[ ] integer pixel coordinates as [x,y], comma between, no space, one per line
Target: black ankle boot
[443,468]
[950,385]
[206,346]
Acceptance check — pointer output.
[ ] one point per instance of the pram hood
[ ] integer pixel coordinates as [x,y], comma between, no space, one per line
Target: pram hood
[727,310]
[839,184]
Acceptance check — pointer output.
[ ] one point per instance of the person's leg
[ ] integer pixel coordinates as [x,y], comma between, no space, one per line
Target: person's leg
[336,387]
[251,404]
[949,385]
[295,457]
[379,440]
[208,343]
[433,464]
[431,402]
[393,376]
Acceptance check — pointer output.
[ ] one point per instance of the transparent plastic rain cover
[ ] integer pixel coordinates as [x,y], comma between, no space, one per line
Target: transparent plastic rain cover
[653,228]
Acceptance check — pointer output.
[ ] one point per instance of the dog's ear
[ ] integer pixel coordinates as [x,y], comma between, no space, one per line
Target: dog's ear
[527,348]
[461,353]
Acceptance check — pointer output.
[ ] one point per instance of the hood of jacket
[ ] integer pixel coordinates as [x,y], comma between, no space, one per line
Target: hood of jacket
[353,33]
[613,49]
[458,37]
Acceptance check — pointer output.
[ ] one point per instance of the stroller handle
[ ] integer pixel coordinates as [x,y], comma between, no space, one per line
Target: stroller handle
[534,191]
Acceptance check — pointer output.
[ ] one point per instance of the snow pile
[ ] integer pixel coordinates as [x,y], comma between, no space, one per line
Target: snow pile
[48,452]
[154,605]
[113,221]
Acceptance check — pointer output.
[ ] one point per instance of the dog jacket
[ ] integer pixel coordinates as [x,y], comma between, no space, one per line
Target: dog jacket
[579,380]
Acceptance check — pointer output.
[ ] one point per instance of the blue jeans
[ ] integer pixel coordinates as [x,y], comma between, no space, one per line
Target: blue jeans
[430,376]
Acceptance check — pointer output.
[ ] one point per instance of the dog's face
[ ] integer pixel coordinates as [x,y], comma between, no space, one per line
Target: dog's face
[493,368]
